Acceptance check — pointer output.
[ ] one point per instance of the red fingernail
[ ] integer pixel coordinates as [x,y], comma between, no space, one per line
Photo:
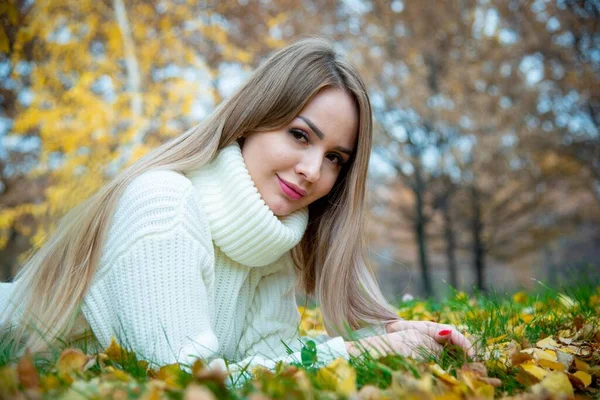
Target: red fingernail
[445,332]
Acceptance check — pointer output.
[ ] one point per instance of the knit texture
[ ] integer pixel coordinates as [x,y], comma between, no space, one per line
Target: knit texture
[197,265]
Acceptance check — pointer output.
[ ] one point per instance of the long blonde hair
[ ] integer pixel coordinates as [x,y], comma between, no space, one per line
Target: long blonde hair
[331,256]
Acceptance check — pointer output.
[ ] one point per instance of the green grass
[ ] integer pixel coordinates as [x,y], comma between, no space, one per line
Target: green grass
[524,318]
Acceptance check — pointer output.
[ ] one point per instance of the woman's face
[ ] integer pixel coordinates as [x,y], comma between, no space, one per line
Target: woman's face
[299,163]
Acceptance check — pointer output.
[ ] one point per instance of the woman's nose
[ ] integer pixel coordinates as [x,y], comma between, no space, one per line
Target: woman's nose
[310,167]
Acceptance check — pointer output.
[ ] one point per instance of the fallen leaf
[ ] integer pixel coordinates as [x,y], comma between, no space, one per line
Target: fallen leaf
[71,361]
[496,339]
[478,388]
[547,343]
[556,366]
[204,374]
[170,375]
[116,353]
[338,376]
[565,359]
[534,371]
[8,382]
[555,383]
[198,392]
[581,365]
[369,392]
[26,372]
[585,378]
[442,374]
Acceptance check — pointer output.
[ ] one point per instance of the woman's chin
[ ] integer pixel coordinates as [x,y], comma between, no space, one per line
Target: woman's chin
[280,208]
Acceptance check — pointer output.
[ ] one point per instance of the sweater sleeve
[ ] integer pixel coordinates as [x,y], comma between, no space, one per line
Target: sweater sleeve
[153,292]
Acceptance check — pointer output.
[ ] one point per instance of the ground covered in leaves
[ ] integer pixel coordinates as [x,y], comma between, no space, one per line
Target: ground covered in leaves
[530,346]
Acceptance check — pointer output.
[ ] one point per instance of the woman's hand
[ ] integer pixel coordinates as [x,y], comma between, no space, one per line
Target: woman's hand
[440,333]
[408,343]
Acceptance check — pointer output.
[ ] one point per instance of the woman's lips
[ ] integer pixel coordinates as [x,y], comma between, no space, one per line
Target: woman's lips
[291,193]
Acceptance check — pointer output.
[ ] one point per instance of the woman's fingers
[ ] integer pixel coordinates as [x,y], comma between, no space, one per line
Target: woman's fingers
[408,343]
[442,333]
[418,345]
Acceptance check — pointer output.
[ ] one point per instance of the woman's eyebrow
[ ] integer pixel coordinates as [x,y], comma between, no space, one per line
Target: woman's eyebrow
[320,134]
[312,126]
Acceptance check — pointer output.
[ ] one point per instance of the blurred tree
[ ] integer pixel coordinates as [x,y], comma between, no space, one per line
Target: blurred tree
[462,81]
[103,82]
[99,89]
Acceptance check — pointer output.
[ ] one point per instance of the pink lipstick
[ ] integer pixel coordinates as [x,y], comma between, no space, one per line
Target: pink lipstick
[291,193]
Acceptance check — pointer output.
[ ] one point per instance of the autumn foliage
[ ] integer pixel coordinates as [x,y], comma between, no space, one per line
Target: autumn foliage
[547,346]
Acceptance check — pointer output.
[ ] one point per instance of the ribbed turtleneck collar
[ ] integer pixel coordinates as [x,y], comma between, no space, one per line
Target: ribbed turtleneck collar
[241,223]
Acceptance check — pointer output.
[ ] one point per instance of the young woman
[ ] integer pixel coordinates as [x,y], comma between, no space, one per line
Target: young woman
[194,250]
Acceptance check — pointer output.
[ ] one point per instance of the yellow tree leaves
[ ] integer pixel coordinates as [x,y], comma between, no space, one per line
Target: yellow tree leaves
[83,109]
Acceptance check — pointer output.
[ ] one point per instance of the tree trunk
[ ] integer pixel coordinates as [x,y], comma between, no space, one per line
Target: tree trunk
[420,224]
[134,87]
[478,245]
[450,245]
[550,266]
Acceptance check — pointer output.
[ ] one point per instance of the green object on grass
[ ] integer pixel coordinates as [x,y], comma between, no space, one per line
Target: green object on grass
[309,353]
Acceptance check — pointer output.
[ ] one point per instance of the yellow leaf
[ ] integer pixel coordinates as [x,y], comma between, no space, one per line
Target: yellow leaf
[71,360]
[520,297]
[556,366]
[170,374]
[442,374]
[555,383]
[479,388]
[584,377]
[534,370]
[496,339]
[49,382]
[540,354]
[8,382]
[338,376]
[547,343]
[581,365]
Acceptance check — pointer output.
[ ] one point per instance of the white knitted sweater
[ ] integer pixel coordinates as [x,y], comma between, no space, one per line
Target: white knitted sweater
[199,266]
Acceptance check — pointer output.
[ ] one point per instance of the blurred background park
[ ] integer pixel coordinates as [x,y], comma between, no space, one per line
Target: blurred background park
[485,170]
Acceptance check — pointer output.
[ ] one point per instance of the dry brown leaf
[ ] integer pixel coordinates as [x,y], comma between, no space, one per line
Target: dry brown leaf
[204,374]
[71,361]
[26,372]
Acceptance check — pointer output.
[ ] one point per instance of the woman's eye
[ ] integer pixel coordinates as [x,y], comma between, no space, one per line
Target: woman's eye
[336,159]
[299,135]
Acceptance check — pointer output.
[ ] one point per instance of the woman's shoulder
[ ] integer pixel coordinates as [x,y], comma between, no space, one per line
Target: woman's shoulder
[158,195]
[163,189]
[159,179]
[157,202]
